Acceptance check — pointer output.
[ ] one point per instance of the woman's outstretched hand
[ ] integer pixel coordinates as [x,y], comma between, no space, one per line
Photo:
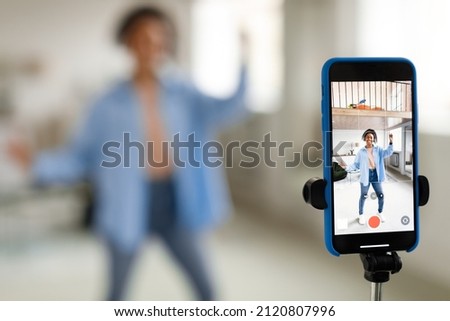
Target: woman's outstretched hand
[21,152]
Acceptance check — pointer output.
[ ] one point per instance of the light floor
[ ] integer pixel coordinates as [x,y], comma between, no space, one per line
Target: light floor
[398,206]
[253,259]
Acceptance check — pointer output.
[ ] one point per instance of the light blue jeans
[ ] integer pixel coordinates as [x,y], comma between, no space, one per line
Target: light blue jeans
[184,245]
[373,179]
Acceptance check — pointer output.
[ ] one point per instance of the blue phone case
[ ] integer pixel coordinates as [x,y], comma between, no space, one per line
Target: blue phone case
[326,135]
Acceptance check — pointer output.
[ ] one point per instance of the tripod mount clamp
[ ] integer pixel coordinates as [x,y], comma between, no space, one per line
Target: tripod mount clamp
[314,192]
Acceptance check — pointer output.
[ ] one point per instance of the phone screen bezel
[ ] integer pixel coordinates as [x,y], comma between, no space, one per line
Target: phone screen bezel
[382,69]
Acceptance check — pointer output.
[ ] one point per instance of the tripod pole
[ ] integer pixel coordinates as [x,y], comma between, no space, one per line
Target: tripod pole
[375,293]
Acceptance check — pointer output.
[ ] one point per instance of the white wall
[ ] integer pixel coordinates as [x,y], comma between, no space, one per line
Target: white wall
[73,42]
[416,30]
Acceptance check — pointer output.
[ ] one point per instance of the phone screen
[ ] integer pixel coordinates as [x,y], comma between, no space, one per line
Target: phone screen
[372,155]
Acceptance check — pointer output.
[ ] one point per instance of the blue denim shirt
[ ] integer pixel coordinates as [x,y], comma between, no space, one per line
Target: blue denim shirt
[362,163]
[121,193]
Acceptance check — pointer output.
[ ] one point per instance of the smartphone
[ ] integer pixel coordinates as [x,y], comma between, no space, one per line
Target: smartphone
[369,123]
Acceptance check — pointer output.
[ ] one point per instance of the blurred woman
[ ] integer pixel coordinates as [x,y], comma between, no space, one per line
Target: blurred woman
[141,186]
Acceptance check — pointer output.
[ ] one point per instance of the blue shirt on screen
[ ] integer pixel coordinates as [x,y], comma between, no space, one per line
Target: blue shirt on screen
[361,163]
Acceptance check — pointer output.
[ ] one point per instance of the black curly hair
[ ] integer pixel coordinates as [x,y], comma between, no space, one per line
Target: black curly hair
[370,131]
[135,15]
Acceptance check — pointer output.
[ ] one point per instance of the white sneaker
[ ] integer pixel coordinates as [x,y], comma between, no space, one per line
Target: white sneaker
[362,220]
[382,217]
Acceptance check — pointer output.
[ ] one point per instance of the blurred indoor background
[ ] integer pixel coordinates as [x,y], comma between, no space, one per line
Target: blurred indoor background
[55,56]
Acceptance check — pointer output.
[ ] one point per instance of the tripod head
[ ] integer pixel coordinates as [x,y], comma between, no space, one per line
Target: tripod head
[377,269]
[379,266]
